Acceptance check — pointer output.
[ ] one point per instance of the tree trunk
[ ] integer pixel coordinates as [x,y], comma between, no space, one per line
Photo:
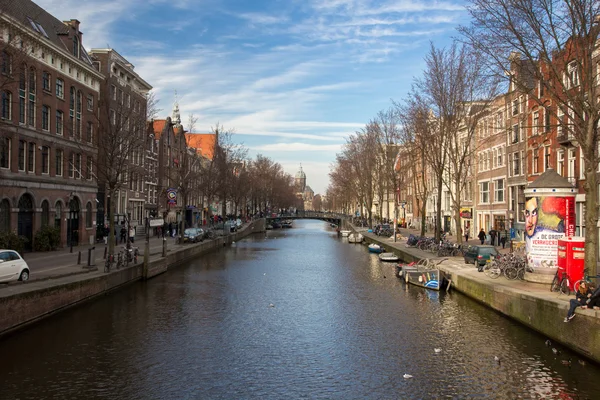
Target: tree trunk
[438,207]
[591,219]
[111,222]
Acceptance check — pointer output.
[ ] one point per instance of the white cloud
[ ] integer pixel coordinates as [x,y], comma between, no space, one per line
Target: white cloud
[287,147]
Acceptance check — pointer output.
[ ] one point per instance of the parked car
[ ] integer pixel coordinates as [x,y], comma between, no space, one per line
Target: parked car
[479,254]
[193,235]
[12,266]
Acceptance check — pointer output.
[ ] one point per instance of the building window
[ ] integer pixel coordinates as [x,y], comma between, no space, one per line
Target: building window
[59,122]
[6,63]
[516,133]
[6,105]
[485,192]
[78,166]
[59,163]
[113,117]
[21,160]
[60,88]
[560,162]
[57,214]
[572,75]
[22,92]
[71,165]
[31,158]
[72,108]
[515,107]
[45,118]
[546,157]
[5,147]
[78,118]
[31,109]
[516,164]
[546,120]
[89,168]
[535,162]
[45,159]
[45,213]
[113,92]
[46,79]
[75,46]
[90,132]
[560,116]
[536,123]
[88,215]
[499,190]
[90,102]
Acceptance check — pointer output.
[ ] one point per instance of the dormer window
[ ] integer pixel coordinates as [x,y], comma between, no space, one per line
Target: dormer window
[75,46]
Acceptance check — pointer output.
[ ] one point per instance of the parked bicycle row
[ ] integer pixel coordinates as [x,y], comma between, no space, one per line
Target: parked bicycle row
[511,265]
[442,248]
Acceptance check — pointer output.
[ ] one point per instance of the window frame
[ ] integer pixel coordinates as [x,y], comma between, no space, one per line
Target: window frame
[45,160]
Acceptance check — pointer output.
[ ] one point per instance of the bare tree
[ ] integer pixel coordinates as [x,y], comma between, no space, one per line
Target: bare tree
[414,135]
[121,145]
[557,40]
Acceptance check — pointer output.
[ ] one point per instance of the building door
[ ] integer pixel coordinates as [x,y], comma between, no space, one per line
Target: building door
[73,223]
[25,220]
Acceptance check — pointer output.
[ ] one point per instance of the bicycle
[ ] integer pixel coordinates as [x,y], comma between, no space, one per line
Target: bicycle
[108,262]
[587,278]
[561,282]
[120,260]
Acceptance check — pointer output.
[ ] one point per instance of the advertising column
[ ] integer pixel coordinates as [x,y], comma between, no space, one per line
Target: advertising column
[549,216]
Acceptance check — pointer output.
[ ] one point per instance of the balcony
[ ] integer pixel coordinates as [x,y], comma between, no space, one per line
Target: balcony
[566,140]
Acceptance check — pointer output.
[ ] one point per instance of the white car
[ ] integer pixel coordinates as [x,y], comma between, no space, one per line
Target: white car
[12,266]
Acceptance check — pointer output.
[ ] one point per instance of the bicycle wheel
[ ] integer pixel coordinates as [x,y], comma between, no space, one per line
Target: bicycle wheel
[577,284]
[564,287]
[492,271]
[521,273]
[511,273]
[555,286]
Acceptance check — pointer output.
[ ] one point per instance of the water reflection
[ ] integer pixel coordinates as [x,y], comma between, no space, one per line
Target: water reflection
[341,326]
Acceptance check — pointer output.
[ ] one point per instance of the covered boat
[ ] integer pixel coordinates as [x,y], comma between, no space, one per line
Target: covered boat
[375,248]
[345,233]
[388,257]
[355,238]
[425,274]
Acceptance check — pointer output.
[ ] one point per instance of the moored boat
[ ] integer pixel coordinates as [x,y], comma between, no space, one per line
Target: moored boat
[345,233]
[355,238]
[388,257]
[425,274]
[375,248]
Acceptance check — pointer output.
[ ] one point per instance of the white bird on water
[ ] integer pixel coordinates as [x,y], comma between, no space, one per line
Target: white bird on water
[496,358]
[271,305]
[437,350]
[406,376]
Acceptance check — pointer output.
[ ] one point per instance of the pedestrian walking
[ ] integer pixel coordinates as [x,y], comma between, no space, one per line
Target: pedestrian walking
[132,234]
[492,237]
[503,240]
[481,235]
[466,235]
[123,234]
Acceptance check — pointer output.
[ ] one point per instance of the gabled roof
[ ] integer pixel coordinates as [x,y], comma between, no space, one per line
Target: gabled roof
[158,126]
[29,14]
[204,143]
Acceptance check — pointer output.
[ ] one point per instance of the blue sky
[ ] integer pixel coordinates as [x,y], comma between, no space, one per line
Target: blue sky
[292,78]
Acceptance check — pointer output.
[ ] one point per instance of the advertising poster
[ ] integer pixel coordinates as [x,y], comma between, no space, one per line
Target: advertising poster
[547,219]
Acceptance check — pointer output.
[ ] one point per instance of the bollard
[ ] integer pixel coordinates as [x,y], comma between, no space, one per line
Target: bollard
[91,262]
[79,257]
[105,252]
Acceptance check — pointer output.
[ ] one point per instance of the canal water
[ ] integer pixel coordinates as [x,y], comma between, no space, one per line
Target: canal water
[292,314]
